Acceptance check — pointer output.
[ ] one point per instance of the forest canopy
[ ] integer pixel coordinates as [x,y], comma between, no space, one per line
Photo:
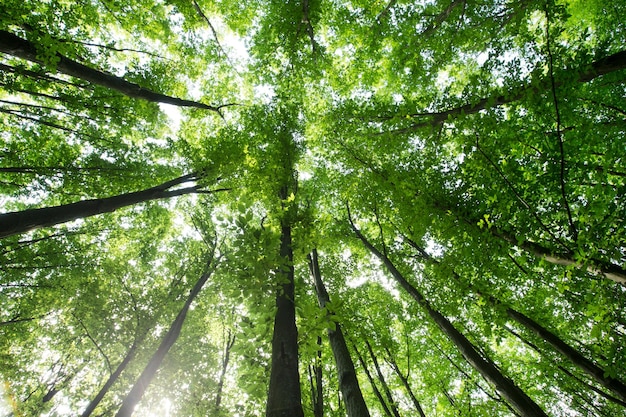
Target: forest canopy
[313,208]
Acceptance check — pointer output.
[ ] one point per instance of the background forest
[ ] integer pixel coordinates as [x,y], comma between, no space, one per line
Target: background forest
[313,208]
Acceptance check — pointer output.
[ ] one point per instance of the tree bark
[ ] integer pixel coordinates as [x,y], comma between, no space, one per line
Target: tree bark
[348,382]
[599,267]
[587,366]
[518,399]
[586,384]
[23,221]
[284,398]
[140,386]
[14,45]
[315,379]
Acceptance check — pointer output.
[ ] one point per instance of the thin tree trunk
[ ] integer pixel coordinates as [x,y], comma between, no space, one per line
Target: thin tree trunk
[22,48]
[315,379]
[590,368]
[228,345]
[608,270]
[348,382]
[566,371]
[114,376]
[377,392]
[381,378]
[137,391]
[598,68]
[598,374]
[520,401]
[284,398]
[22,221]
[405,383]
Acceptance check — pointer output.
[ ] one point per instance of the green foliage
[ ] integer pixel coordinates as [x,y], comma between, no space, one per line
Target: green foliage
[472,142]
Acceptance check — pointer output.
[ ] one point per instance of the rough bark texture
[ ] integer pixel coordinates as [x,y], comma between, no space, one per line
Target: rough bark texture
[348,382]
[22,48]
[134,396]
[23,221]
[284,398]
[517,398]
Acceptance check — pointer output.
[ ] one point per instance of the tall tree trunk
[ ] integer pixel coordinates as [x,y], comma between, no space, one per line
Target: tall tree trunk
[598,374]
[22,221]
[284,398]
[114,376]
[377,392]
[228,345]
[405,382]
[381,378]
[590,368]
[518,399]
[22,48]
[348,382]
[315,379]
[598,267]
[137,391]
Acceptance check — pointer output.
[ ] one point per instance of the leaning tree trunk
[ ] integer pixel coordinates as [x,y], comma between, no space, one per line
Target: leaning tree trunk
[518,399]
[348,382]
[14,45]
[606,65]
[598,374]
[137,391]
[284,398]
[22,221]
[115,375]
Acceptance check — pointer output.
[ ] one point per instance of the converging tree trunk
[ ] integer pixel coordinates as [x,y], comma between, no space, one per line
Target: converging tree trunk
[348,382]
[284,398]
[22,221]
[140,386]
[315,380]
[518,399]
[377,392]
[14,45]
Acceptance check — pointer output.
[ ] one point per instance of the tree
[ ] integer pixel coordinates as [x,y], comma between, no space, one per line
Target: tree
[479,145]
[348,382]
